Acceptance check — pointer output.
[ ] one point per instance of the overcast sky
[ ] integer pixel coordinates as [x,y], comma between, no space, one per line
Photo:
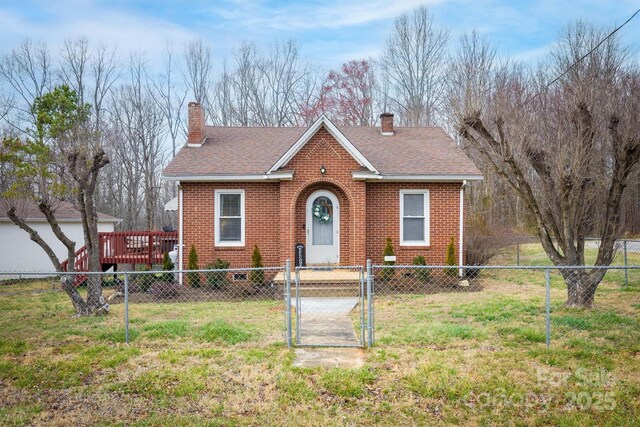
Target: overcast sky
[328,31]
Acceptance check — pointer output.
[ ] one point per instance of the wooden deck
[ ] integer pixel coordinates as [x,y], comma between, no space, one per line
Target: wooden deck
[136,247]
[126,247]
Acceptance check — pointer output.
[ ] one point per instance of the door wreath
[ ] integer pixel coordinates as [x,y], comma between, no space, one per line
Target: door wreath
[322,210]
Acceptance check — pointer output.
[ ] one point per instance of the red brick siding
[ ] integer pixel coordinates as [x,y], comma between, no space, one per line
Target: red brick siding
[275,213]
[383,220]
[323,149]
[261,222]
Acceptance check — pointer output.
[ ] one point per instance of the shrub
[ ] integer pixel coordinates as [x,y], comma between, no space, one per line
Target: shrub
[257,276]
[217,279]
[139,283]
[421,274]
[483,242]
[165,290]
[451,258]
[193,278]
[387,273]
[167,265]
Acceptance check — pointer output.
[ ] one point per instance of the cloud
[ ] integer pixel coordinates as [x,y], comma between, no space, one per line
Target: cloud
[315,15]
[70,20]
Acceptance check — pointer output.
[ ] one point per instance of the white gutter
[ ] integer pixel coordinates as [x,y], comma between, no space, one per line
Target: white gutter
[358,176]
[368,176]
[283,176]
[460,255]
[180,234]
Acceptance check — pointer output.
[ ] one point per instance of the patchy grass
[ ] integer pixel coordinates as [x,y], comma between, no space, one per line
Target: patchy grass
[346,382]
[472,358]
[222,331]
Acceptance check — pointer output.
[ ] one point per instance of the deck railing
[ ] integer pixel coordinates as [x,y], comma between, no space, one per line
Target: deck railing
[128,247]
[136,247]
[81,260]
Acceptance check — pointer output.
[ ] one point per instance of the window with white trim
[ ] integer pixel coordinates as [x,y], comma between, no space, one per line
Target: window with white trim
[229,217]
[414,217]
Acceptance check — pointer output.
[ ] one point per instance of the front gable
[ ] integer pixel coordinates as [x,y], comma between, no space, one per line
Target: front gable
[339,137]
[322,150]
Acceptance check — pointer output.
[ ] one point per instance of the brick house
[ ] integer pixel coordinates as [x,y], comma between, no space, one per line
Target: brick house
[338,190]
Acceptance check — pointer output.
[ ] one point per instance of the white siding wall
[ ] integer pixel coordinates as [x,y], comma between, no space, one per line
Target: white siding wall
[19,254]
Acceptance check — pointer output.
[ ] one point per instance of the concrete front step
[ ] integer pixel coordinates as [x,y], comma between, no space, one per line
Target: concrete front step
[326,291]
[328,276]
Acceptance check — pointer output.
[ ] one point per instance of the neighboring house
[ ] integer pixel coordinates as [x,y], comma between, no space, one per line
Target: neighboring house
[339,190]
[19,254]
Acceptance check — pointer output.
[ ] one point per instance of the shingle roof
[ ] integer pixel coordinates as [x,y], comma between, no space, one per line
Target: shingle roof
[254,150]
[63,211]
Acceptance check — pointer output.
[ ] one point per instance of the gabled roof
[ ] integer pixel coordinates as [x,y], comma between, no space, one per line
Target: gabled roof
[63,211]
[260,153]
[335,132]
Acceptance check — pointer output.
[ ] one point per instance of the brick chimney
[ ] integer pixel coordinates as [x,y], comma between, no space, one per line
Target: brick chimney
[195,136]
[386,124]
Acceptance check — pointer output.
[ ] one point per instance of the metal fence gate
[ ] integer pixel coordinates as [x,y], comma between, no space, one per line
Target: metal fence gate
[328,307]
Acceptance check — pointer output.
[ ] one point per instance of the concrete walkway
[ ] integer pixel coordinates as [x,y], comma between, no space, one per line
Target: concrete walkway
[314,305]
[329,358]
[327,321]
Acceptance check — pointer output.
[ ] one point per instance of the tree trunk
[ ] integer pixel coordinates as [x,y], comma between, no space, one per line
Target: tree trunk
[581,286]
[86,176]
[67,282]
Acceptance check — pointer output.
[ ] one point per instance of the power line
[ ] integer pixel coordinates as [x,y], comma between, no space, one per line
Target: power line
[583,57]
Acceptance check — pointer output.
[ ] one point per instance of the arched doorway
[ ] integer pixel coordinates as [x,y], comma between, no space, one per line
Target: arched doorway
[323,228]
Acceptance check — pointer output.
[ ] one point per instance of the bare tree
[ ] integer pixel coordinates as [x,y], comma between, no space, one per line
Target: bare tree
[309,105]
[170,97]
[223,99]
[283,73]
[199,72]
[567,150]
[27,70]
[140,122]
[261,89]
[413,63]
[249,99]
[469,83]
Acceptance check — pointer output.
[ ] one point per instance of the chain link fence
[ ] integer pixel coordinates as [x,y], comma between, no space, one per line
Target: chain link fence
[351,306]
[331,306]
[428,305]
[528,251]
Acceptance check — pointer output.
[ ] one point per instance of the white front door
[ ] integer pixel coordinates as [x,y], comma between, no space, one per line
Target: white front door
[323,228]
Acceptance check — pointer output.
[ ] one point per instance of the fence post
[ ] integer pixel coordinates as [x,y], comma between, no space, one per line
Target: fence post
[363,338]
[287,297]
[298,308]
[126,308]
[547,288]
[369,304]
[626,269]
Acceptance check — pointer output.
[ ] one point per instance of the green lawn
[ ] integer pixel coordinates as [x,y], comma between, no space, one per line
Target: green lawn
[472,358]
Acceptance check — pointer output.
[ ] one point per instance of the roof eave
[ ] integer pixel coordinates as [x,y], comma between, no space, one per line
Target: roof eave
[278,176]
[367,176]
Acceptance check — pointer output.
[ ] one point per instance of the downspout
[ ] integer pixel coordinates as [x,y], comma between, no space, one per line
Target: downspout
[180,233]
[460,251]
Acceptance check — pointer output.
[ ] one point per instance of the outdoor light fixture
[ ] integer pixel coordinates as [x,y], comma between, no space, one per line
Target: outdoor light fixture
[323,170]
